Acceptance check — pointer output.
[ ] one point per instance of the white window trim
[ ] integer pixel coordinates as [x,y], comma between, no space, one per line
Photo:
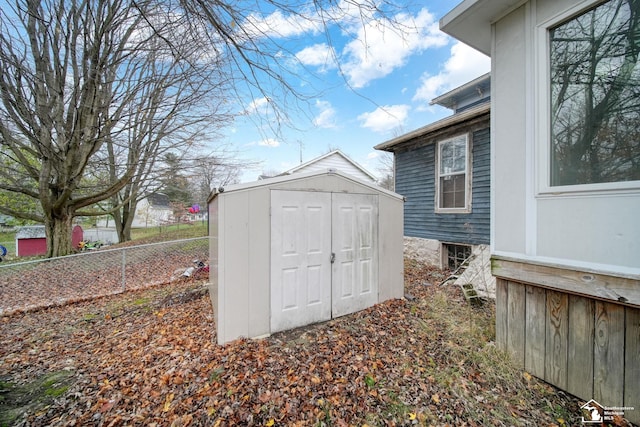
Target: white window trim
[467,194]
[543,121]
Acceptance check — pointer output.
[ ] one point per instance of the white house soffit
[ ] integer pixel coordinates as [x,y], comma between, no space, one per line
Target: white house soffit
[470,21]
[300,177]
[440,124]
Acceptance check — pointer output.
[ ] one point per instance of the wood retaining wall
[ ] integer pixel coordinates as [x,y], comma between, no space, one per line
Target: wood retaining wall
[586,346]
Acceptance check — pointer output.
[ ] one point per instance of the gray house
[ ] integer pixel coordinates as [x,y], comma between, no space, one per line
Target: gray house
[565,235]
[443,171]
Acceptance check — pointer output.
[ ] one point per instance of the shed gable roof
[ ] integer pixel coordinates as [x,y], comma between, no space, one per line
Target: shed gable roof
[301,177]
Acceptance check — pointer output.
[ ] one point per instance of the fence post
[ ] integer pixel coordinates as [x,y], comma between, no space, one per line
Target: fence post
[124,267]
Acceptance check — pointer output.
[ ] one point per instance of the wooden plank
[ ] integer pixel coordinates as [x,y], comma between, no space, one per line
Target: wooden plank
[580,366]
[501,314]
[608,355]
[535,327]
[624,290]
[632,365]
[557,329]
[516,322]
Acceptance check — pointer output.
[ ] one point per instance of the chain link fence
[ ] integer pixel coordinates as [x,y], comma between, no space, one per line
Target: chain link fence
[56,281]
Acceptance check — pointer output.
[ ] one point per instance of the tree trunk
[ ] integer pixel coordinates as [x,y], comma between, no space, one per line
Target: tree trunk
[123,218]
[58,229]
[128,220]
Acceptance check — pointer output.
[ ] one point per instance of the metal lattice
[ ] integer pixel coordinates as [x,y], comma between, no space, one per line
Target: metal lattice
[56,281]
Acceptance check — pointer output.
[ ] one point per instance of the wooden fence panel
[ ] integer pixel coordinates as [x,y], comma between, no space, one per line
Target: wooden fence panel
[580,364]
[588,346]
[536,332]
[557,331]
[632,362]
[501,313]
[516,320]
[608,354]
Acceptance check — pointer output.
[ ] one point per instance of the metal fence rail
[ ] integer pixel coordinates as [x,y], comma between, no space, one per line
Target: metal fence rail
[56,281]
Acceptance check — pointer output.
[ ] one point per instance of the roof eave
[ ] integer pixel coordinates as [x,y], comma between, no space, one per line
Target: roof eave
[440,124]
[448,99]
[470,21]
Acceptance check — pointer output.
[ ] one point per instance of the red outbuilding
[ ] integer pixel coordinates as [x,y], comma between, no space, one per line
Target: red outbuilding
[32,240]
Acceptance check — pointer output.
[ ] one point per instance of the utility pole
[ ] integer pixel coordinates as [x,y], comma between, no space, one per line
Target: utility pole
[300,144]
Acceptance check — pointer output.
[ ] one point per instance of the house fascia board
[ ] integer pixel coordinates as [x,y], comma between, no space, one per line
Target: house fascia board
[300,177]
[450,99]
[470,21]
[435,126]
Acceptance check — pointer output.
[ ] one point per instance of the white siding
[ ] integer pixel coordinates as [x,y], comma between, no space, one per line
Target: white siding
[337,162]
[590,229]
[508,135]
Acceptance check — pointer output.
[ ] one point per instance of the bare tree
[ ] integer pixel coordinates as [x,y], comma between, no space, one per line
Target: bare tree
[94,86]
[387,170]
[108,85]
[215,171]
[254,35]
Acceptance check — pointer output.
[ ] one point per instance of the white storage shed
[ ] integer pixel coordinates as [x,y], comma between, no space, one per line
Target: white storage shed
[300,249]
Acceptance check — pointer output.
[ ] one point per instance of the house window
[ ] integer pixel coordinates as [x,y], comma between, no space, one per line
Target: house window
[594,96]
[453,176]
[456,255]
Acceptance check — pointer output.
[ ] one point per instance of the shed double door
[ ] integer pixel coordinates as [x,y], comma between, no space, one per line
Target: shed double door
[324,256]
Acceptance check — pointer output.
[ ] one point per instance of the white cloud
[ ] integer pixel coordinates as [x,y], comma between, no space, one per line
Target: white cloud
[373,155]
[326,117]
[269,142]
[384,119]
[259,106]
[380,47]
[464,64]
[318,55]
[278,25]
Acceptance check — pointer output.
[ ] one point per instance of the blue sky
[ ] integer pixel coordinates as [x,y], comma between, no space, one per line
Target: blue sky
[380,87]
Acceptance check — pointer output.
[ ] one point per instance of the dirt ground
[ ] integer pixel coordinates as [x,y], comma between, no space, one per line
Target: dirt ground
[150,358]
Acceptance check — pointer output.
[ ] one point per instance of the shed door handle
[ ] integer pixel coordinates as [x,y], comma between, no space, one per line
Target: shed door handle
[333,257]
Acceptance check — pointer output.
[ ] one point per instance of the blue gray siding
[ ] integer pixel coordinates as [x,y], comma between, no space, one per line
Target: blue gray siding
[415,179]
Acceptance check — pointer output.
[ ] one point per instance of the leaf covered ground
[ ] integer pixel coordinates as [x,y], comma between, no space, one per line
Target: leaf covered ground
[150,358]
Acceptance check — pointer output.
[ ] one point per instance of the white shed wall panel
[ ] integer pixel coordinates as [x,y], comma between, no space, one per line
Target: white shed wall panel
[241,282]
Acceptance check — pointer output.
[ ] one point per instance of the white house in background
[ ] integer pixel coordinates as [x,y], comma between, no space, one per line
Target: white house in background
[334,160]
[153,210]
[565,187]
